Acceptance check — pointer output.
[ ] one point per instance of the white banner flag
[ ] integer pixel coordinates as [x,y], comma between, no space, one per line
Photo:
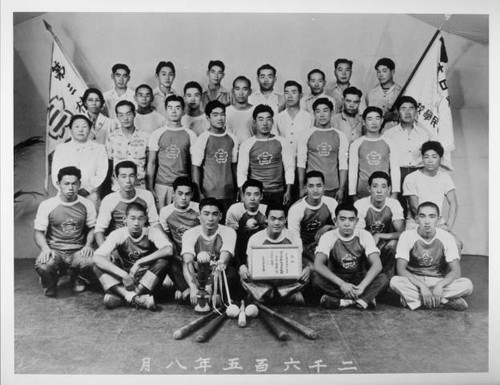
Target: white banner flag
[429,88]
[65,90]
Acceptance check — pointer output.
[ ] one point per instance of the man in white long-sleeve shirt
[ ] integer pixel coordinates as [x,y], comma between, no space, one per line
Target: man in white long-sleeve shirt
[87,155]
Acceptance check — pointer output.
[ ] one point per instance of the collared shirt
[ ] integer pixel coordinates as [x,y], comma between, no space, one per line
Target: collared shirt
[377,98]
[407,144]
[274,100]
[112,98]
[133,148]
[101,128]
[307,101]
[223,96]
[291,128]
[352,128]
[90,157]
[159,100]
[335,91]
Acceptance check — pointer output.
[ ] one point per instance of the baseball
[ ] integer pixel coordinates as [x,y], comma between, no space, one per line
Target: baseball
[251,310]
[232,311]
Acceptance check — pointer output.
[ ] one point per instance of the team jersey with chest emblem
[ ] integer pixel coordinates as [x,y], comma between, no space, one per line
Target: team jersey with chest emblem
[216,153]
[131,249]
[306,220]
[323,150]
[176,222]
[113,206]
[64,223]
[268,160]
[173,146]
[424,257]
[194,241]
[347,255]
[378,220]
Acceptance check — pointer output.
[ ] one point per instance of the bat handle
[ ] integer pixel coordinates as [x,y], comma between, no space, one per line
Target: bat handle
[227,287]
[242,318]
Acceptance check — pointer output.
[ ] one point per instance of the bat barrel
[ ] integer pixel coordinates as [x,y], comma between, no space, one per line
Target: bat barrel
[273,327]
[210,328]
[195,325]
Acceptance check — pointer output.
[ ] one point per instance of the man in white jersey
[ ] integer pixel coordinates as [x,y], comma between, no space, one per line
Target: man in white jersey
[144,256]
[64,231]
[146,118]
[428,265]
[239,120]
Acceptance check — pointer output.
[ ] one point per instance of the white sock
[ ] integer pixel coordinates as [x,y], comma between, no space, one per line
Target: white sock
[346,302]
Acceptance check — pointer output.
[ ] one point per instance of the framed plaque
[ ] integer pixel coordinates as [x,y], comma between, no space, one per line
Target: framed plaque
[275,262]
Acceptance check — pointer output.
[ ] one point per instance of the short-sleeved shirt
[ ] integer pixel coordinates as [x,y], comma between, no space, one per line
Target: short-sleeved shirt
[197,124]
[175,222]
[268,160]
[383,99]
[111,99]
[236,218]
[133,148]
[323,150]
[306,220]
[173,146]
[274,100]
[347,256]
[291,129]
[239,123]
[427,257]
[65,223]
[159,98]
[113,206]
[223,95]
[215,154]
[378,220]
[132,249]
[194,241]
[149,122]
[261,238]
[367,155]
[352,129]
[428,188]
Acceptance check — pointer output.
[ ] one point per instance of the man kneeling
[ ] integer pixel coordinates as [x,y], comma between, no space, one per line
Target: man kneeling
[340,261]
[428,265]
[144,258]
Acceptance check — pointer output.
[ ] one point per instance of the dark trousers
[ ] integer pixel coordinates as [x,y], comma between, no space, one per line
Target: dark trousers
[405,171]
[324,286]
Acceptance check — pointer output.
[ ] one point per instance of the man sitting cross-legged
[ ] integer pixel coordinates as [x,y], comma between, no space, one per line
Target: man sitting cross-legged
[143,261]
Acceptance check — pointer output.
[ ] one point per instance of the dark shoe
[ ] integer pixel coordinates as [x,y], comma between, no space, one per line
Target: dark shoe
[329,302]
[79,286]
[50,292]
[458,304]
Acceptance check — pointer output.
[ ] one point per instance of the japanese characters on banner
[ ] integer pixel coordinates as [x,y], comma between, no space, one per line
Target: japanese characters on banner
[430,89]
[65,90]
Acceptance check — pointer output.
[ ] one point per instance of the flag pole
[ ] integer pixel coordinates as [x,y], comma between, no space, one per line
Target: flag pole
[405,86]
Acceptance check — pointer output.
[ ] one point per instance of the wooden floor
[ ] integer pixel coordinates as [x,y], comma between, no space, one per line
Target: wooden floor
[75,334]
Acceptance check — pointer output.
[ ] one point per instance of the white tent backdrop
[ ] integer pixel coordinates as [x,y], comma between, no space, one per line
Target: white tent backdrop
[293,43]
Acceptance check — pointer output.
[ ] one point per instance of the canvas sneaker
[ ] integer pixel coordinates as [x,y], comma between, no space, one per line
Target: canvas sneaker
[144,301]
[112,301]
[296,298]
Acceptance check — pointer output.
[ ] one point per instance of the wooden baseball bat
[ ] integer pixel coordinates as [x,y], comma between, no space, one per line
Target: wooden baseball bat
[210,329]
[273,327]
[196,324]
[308,332]
[242,318]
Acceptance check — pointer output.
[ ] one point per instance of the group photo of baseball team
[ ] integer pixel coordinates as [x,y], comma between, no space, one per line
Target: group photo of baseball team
[208,193]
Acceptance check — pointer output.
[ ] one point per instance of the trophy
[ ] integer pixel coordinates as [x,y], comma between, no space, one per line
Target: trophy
[203,275]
